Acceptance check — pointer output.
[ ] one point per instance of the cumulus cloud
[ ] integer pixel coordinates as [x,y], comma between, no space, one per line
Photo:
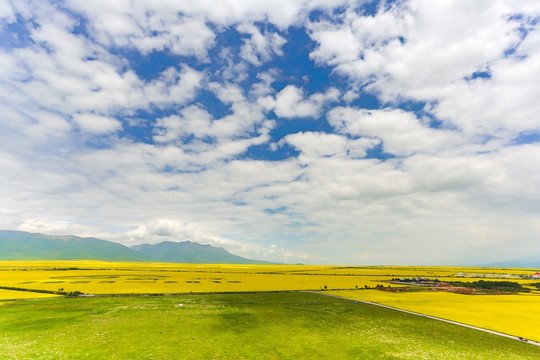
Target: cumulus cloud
[401,132]
[291,102]
[96,124]
[183,27]
[503,106]
[416,48]
[168,230]
[314,144]
[259,47]
[194,120]
[431,52]
[147,28]
[173,87]
[199,132]
[6,12]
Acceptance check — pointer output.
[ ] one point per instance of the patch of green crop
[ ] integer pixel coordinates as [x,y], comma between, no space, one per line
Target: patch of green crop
[236,326]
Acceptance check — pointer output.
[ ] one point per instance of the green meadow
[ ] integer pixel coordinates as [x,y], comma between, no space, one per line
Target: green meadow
[291,325]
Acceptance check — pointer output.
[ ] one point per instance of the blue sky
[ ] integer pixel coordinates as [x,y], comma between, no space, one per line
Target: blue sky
[331,132]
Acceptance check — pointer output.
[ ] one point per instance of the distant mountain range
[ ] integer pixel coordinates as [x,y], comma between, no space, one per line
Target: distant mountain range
[532,262]
[190,252]
[19,245]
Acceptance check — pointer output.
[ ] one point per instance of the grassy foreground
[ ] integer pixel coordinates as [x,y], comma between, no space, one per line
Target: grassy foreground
[235,326]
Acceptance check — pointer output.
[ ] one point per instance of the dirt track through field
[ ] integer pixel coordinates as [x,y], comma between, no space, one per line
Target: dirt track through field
[532,342]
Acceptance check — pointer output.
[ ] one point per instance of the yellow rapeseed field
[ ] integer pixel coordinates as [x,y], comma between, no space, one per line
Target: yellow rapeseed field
[13,294]
[120,281]
[100,277]
[517,315]
[97,277]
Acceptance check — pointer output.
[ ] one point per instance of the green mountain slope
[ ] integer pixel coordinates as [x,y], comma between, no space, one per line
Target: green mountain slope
[18,245]
[191,252]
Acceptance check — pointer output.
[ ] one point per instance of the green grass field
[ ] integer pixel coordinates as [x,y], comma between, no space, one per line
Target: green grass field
[235,326]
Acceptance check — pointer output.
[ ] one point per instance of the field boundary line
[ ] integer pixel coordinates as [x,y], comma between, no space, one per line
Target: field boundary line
[517,338]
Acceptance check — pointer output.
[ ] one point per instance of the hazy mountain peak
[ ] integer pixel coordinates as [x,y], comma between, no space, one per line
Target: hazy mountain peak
[20,245]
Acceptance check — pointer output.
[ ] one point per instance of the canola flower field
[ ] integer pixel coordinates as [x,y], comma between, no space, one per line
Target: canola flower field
[12,294]
[100,277]
[513,314]
[93,277]
[516,315]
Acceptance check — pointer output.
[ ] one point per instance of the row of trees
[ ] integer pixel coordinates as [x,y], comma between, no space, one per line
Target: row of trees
[506,286]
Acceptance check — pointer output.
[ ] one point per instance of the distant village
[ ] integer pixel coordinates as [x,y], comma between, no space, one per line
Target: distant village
[471,288]
[427,282]
[500,276]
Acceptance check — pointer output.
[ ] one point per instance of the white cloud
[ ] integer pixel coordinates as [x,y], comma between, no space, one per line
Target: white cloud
[167,230]
[428,51]
[290,102]
[63,76]
[65,81]
[334,197]
[173,87]
[56,227]
[315,145]
[97,124]
[194,120]
[147,27]
[182,27]
[503,106]
[259,47]
[195,130]
[281,13]
[401,132]
[6,12]
[416,48]
[264,87]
